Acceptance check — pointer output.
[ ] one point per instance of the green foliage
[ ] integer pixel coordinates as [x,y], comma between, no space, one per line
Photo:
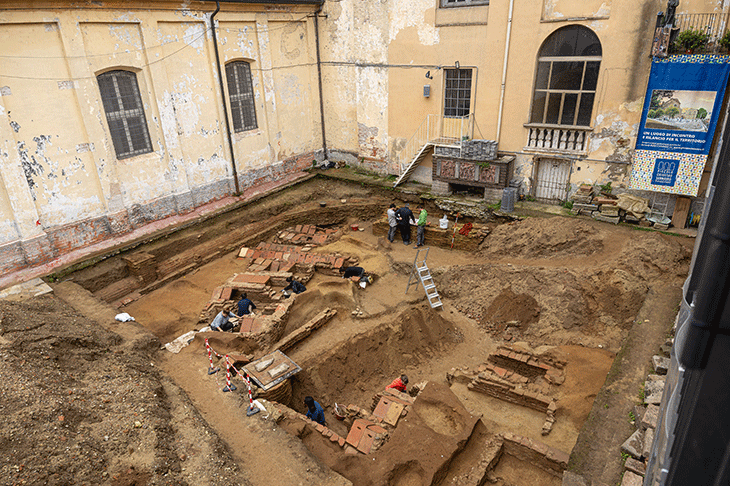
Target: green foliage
[701,113]
[391,178]
[530,198]
[692,40]
[606,187]
[632,417]
[496,206]
[725,40]
[672,111]
[567,204]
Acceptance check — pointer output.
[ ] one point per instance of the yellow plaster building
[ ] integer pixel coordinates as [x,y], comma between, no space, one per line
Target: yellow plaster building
[119,114]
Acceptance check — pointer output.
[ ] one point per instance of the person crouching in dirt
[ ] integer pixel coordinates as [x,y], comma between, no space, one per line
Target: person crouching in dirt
[353,273]
[245,306]
[222,321]
[294,285]
[314,411]
[399,384]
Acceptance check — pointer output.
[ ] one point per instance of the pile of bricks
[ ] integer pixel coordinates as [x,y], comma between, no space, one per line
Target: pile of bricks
[529,365]
[306,235]
[142,266]
[364,437]
[287,258]
[390,405]
[551,460]
[517,377]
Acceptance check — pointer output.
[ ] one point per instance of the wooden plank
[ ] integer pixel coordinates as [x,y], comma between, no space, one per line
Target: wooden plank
[681,210]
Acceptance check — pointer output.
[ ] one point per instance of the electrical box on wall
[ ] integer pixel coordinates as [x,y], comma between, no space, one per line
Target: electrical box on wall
[426,90]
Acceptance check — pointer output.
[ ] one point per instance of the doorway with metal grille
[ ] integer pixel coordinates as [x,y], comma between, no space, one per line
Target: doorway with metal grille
[552,177]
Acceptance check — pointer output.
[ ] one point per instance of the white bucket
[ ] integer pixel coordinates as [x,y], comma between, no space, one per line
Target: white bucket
[444,222]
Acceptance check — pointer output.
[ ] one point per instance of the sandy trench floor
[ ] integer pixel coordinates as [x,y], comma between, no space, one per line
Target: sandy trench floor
[587,285]
[586,370]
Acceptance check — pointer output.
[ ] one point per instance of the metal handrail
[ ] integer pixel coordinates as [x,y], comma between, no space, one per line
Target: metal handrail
[437,129]
[713,24]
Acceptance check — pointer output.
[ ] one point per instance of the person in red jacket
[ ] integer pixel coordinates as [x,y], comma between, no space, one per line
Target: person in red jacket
[399,384]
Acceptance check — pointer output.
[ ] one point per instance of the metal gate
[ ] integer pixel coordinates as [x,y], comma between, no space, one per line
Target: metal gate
[552,178]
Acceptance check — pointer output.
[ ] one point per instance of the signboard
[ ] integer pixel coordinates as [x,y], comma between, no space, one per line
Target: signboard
[681,108]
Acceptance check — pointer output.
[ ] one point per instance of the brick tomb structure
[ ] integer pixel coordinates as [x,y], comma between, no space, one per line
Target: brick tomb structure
[517,377]
[271,264]
[435,236]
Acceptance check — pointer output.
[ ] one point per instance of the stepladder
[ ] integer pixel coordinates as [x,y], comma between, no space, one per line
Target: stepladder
[420,272]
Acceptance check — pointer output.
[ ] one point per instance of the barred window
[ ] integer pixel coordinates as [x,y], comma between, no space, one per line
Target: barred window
[124,113]
[463,3]
[566,78]
[457,93]
[240,92]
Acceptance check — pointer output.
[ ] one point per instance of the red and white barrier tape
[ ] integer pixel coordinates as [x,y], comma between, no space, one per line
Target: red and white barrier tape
[252,409]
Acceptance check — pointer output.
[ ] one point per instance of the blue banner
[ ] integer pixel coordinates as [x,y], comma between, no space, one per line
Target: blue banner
[682,105]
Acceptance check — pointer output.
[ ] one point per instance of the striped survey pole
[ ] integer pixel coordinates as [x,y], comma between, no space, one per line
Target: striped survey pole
[211,369]
[229,386]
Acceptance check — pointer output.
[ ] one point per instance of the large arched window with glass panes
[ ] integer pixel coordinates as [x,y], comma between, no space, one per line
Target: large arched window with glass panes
[567,75]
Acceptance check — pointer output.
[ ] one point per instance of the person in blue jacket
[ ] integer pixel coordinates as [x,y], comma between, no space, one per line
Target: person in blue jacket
[294,285]
[245,306]
[314,411]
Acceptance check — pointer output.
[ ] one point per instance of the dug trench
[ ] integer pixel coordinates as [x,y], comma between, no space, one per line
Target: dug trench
[562,292]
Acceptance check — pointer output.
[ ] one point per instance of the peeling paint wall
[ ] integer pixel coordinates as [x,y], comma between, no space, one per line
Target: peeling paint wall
[61,183]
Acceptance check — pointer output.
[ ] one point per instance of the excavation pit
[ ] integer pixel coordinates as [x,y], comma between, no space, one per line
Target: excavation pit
[583,284]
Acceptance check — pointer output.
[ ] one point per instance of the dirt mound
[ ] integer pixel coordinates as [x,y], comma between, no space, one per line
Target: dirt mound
[652,255]
[369,361]
[543,238]
[560,306]
[80,407]
[511,310]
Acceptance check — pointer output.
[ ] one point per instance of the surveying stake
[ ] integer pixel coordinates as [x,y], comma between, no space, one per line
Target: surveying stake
[421,272]
[453,236]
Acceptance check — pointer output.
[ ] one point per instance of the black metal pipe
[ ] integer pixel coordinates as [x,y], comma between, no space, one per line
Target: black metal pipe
[319,77]
[223,96]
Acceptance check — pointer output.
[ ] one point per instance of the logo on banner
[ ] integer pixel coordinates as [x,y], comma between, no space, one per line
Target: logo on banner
[665,172]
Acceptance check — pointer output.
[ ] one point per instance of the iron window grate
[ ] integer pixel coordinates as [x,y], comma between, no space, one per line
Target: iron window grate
[240,93]
[124,113]
[457,92]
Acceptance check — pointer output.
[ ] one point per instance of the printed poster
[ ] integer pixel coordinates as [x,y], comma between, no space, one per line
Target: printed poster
[681,108]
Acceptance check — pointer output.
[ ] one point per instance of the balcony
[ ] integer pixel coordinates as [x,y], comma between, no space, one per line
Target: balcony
[557,139]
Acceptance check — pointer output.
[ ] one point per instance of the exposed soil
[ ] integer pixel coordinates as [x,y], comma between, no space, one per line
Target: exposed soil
[74,381]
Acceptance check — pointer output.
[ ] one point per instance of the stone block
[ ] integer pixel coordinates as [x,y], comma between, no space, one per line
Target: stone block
[634,445]
[631,479]
[651,417]
[661,364]
[648,441]
[636,467]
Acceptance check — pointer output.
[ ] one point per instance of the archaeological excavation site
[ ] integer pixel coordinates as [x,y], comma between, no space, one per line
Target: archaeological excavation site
[525,338]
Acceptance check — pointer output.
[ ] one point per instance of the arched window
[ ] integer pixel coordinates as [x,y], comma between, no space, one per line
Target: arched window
[240,93]
[124,113]
[566,79]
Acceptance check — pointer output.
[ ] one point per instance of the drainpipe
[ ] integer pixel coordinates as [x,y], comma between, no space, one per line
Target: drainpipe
[223,96]
[319,76]
[504,69]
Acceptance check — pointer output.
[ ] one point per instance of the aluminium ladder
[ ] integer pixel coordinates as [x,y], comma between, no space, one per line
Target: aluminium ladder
[421,272]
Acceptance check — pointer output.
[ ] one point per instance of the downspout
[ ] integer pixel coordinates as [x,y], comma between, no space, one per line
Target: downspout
[504,69]
[223,96]
[319,77]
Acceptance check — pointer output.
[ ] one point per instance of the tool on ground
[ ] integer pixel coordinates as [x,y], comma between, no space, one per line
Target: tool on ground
[421,272]
[453,236]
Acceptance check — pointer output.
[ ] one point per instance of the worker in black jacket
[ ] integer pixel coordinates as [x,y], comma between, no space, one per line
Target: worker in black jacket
[404,218]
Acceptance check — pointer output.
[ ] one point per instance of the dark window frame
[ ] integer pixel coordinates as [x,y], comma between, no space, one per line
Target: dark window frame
[125,115]
[457,92]
[241,96]
[462,3]
[560,96]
